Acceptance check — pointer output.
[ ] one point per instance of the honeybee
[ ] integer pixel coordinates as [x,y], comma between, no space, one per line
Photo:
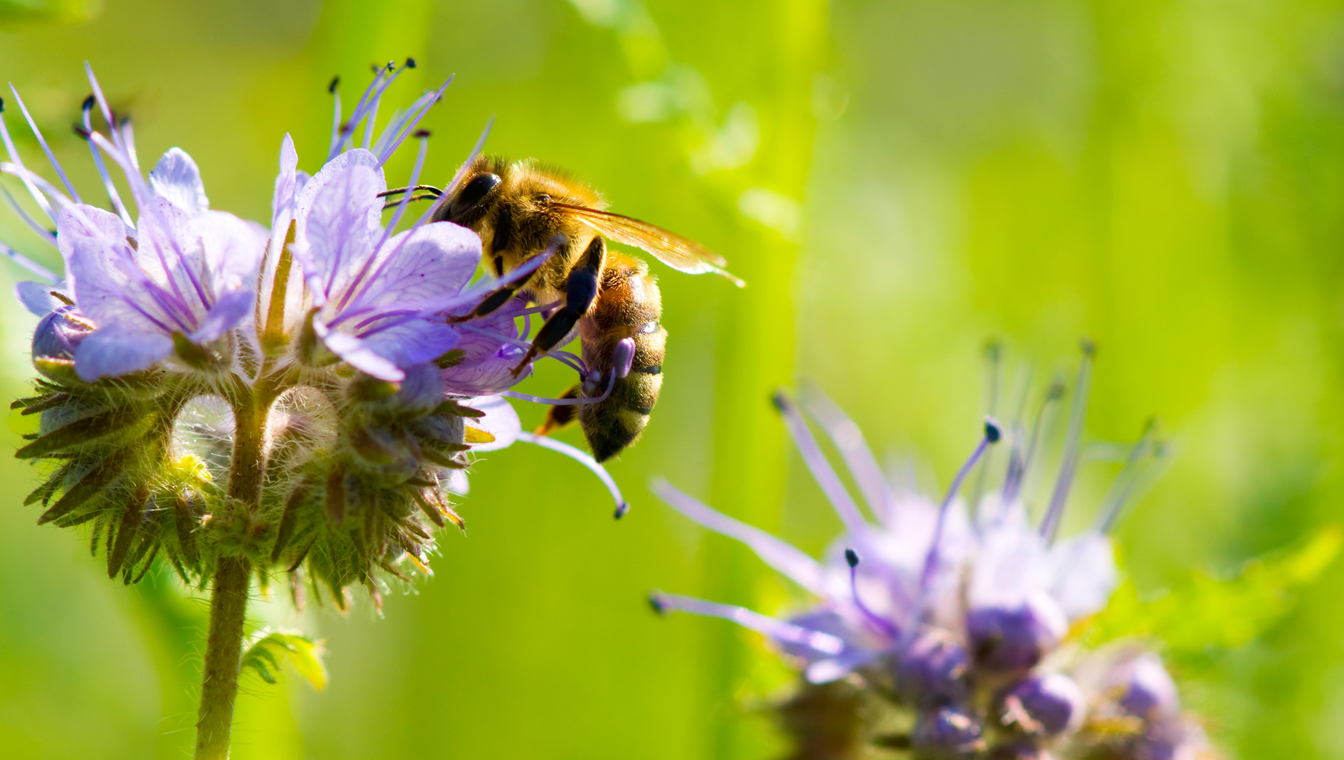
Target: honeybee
[517,208]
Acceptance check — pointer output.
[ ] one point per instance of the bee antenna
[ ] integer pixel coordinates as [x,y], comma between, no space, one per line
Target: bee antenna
[433,191]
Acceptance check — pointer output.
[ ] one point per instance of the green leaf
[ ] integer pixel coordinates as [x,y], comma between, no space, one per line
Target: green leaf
[271,649]
[1202,616]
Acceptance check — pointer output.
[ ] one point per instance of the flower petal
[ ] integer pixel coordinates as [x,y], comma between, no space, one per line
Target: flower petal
[233,250]
[338,213]
[358,355]
[804,570]
[420,269]
[500,421]
[108,284]
[1083,572]
[487,362]
[229,310]
[112,352]
[176,179]
[286,188]
[36,297]
[411,341]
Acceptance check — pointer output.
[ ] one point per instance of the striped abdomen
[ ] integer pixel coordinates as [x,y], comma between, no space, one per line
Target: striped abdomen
[628,305]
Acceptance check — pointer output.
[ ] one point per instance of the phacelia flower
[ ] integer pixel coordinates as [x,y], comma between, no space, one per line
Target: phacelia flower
[304,397]
[945,632]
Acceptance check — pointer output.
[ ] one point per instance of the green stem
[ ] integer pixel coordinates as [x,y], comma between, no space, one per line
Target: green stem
[223,657]
[228,595]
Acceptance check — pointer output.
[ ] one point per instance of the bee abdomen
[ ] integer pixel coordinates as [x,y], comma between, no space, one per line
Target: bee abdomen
[628,306]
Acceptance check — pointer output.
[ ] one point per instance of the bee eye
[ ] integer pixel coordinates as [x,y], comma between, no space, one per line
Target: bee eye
[469,198]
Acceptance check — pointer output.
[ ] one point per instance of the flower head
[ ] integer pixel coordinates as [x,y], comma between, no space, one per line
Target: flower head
[957,622]
[306,397]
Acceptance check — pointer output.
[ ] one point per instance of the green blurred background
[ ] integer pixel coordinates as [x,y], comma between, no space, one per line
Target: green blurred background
[899,182]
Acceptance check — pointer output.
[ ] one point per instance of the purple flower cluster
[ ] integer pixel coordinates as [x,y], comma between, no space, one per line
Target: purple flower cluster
[947,632]
[327,354]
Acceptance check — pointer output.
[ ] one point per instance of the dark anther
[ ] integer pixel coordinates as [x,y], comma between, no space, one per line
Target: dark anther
[2,105]
[391,66]
[851,558]
[992,431]
[331,88]
[780,401]
[622,510]
[88,104]
[1088,347]
[657,604]
[410,63]
[420,134]
[81,131]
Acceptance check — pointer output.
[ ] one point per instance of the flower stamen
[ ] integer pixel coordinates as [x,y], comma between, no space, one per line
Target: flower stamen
[1072,440]
[881,624]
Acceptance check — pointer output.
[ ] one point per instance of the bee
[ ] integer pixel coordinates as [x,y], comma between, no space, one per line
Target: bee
[518,208]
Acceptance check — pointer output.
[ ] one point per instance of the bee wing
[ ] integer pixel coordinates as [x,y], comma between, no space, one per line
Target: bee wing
[682,254]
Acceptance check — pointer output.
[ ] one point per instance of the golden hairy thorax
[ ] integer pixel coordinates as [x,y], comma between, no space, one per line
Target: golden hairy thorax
[528,192]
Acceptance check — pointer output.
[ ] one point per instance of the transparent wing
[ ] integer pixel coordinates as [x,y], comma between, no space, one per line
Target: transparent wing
[682,254]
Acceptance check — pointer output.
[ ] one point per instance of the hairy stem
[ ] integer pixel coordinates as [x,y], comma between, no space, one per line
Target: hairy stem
[223,656]
[228,595]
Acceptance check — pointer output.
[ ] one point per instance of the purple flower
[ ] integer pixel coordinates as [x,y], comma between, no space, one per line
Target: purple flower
[1024,587]
[958,622]
[344,346]
[180,272]
[377,295]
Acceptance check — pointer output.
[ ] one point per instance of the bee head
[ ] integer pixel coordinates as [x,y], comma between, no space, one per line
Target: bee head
[468,204]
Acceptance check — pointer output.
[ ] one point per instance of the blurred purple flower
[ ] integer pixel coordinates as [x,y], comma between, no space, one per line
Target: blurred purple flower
[935,605]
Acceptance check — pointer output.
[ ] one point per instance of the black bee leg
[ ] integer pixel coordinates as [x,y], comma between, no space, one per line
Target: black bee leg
[580,292]
[560,417]
[500,241]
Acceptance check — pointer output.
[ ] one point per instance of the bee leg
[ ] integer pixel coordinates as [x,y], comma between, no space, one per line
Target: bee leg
[580,292]
[491,303]
[559,417]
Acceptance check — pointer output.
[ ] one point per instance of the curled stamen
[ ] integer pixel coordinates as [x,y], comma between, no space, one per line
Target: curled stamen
[816,462]
[1123,487]
[41,199]
[622,507]
[37,270]
[462,170]
[611,383]
[45,148]
[1069,467]
[853,448]
[778,630]
[883,625]
[45,233]
[108,185]
[783,557]
[399,129]
[623,357]
[993,373]
[992,435]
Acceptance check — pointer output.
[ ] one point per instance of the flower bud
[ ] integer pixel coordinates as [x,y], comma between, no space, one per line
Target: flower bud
[1149,692]
[58,334]
[1042,705]
[946,733]
[1013,639]
[932,670]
